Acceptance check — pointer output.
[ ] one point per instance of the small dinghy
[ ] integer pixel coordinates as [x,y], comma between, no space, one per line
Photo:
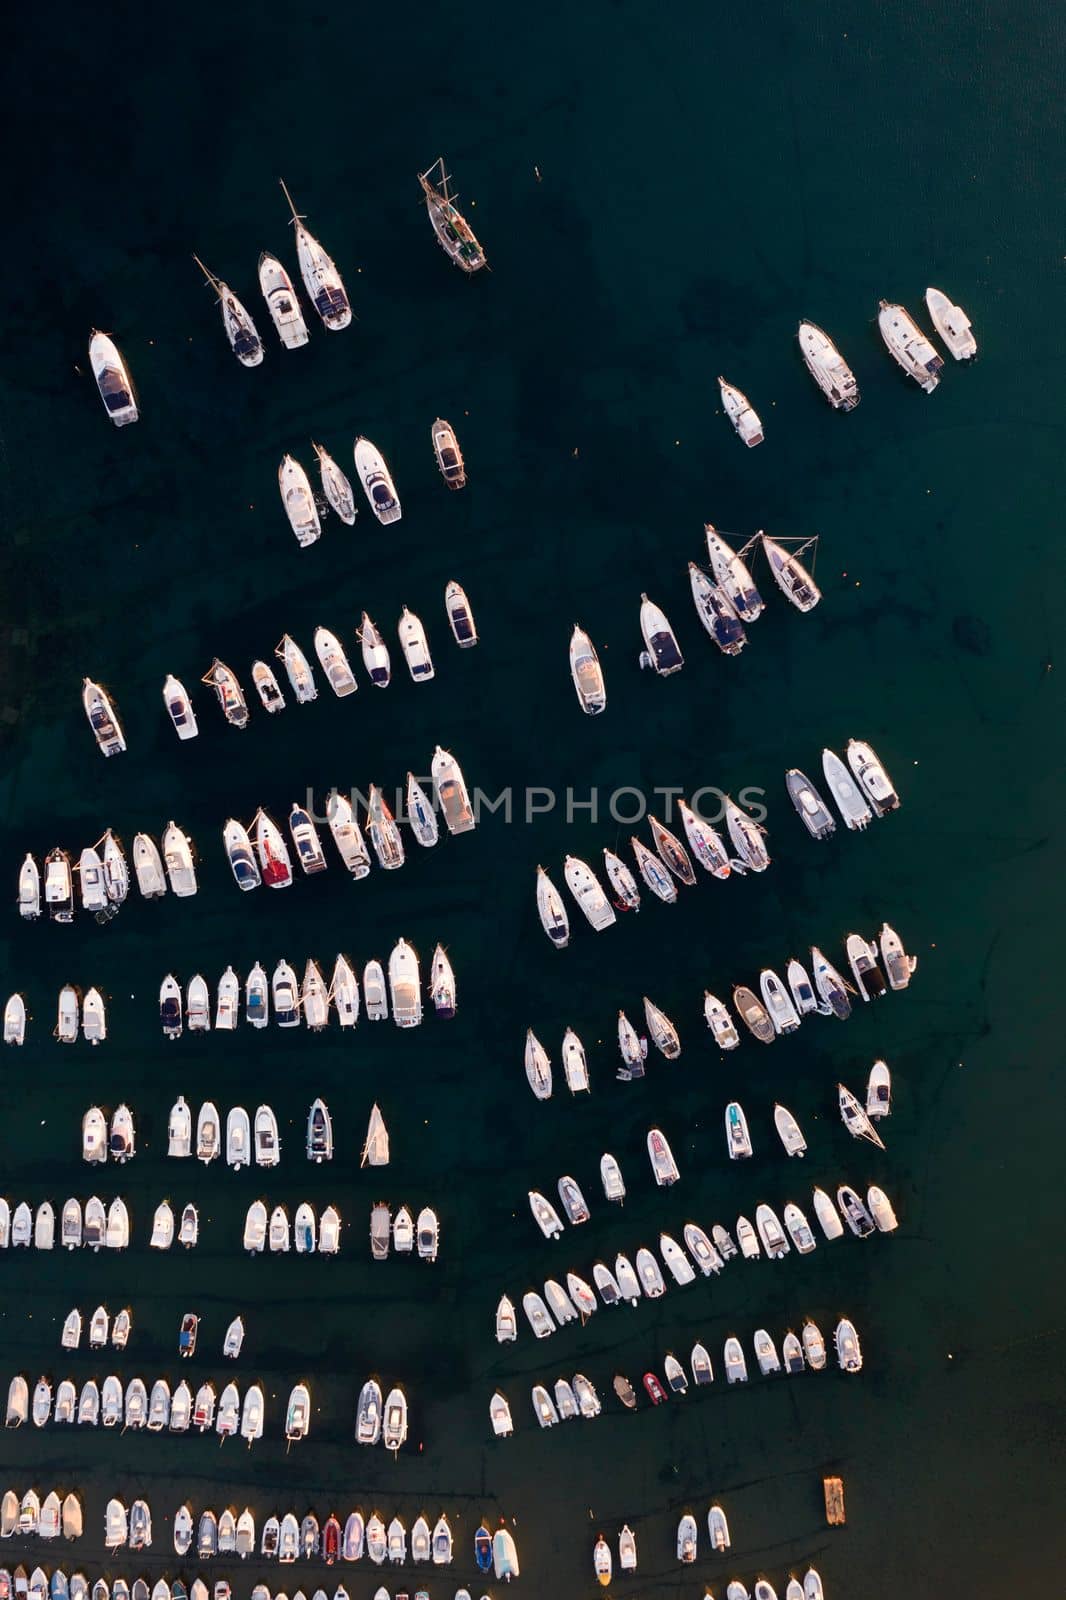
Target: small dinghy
[655,875]
[879,1092]
[611,1177]
[622,881]
[661,650]
[741,413]
[952,324]
[810,807]
[575,1063]
[627,1549]
[715,611]
[789,1132]
[538,1067]
[720,1022]
[625,1391]
[552,911]
[376,479]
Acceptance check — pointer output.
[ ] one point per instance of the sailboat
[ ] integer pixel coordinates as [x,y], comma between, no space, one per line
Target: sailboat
[112,379]
[741,413]
[538,1067]
[732,576]
[324,285]
[552,911]
[230,694]
[653,872]
[705,842]
[790,575]
[384,834]
[280,296]
[420,814]
[855,1118]
[376,1144]
[622,881]
[715,610]
[661,649]
[294,486]
[453,233]
[240,329]
[672,851]
[335,485]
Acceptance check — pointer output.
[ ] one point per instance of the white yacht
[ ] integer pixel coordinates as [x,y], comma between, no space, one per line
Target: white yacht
[827,1214]
[771,1233]
[611,1177]
[335,485]
[686,1539]
[790,575]
[170,1006]
[552,911]
[663,1165]
[872,777]
[375,654]
[306,842]
[654,873]
[177,854]
[15,1020]
[29,889]
[323,283]
[453,797]
[704,842]
[240,855]
[664,1036]
[715,610]
[179,1129]
[810,807]
[179,707]
[849,1351]
[375,994]
[622,881]
[737,1136]
[298,669]
[405,986]
[855,1118]
[148,867]
[952,324]
[732,576]
[266,687]
[827,367]
[449,456]
[415,647]
[294,487]
[741,413]
[908,346]
[845,791]
[880,1208]
[587,674]
[661,650]
[879,1091]
[347,834]
[334,663]
[778,1002]
[420,814]
[460,615]
[107,730]
[91,880]
[898,964]
[284,307]
[746,836]
[68,1016]
[862,959]
[720,1022]
[538,1067]
[453,233]
[589,894]
[241,331]
[575,1063]
[376,480]
[113,380]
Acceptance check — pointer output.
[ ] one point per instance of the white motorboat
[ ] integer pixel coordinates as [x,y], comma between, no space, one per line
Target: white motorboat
[179,707]
[427,1234]
[718,1529]
[189,1233]
[753,1014]
[239,854]
[460,615]
[307,844]
[452,794]
[661,650]
[284,307]
[116,870]
[323,283]
[230,695]
[545,1215]
[789,573]
[575,1063]
[94,1230]
[208,1133]
[329,1232]
[587,674]
[71,1336]
[552,911]
[294,486]
[148,867]
[384,834]
[375,653]
[177,854]
[319,1132]
[655,875]
[59,886]
[622,881]
[778,1002]
[849,1351]
[506,1327]
[442,987]
[113,380]
[686,1539]
[813,1346]
[627,1549]
[705,842]
[663,1165]
[880,1208]
[347,834]
[855,1119]
[266,686]
[720,1022]
[420,814]
[228,1003]
[368,1413]
[405,985]
[314,997]
[374,992]
[732,576]
[602,1564]
[872,777]
[632,1049]
[255,1228]
[606,1284]
[103,720]
[162,1227]
[862,959]
[855,1212]
[589,893]
[747,837]
[702,1250]
[297,668]
[170,1006]
[198,1004]
[798,1229]
[91,880]
[741,413]
[394,1423]
[952,324]
[452,231]
[771,1233]
[449,456]
[828,1215]
[845,791]
[737,1136]
[748,1240]
[664,1036]
[702,1369]
[415,647]
[117,1231]
[831,987]
[335,485]
[278,1236]
[582,1296]
[573,1201]
[879,1091]
[715,610]
[628,1283]
[68,1015]
[811,808]
[504,1555]
[376,479]
[15,1020]
[44,1227]
[801,989]
[252,1414]
[122,1142]
[898,964]
[238,1138]
[538,1067]
[827,367]
[334,663]
[29,900]
[231,1347]
[544,1408]
[766,1353]
[611,1177]
[676,1261]
[500,1416]
[241,331]
[908,346]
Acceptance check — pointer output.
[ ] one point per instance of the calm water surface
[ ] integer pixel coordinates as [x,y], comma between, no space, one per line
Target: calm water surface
[707,178]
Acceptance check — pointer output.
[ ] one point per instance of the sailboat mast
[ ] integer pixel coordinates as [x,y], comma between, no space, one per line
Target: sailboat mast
[216,283]
[296,217]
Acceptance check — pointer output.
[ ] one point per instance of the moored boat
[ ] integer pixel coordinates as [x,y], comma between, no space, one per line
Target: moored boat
[862,959]
[449,456]
[789,573]
[323,283]
[451,229]
[811,808]
[179,707]
[778,1002]
[652,870]
[898,964]
[872,777]
[376,479]
[952,324]
[661,650]
[294,486]
[335,485]
[241,331]
[415,647]
[732,576]
[297,669]
[230,694]
[719,1021]
[282,303]
[908,346]
[113,380]
[715,610]
[538,1067]
[552,911]
[103,720]
[753,1014]
[741,413]
[827,367]
[460,615]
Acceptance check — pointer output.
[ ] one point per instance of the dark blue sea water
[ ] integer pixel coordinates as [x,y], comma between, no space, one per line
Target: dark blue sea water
[707,176]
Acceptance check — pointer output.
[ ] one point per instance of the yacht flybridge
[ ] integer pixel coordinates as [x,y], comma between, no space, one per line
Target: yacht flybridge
[454,234]
[324,284]
[241,331]
[113,380]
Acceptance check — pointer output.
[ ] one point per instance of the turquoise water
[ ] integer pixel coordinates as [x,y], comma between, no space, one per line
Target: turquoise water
[705,180]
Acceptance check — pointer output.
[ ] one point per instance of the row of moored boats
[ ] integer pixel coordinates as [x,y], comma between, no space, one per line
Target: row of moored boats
[76,1017]
[303,507]
[861,790]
